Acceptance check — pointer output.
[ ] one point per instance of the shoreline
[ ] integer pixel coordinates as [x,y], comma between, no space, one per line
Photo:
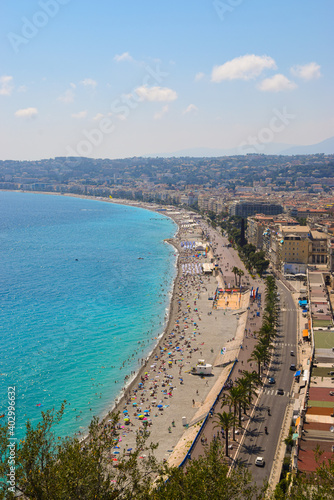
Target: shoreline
[214,334]
[111,406]
[135,377]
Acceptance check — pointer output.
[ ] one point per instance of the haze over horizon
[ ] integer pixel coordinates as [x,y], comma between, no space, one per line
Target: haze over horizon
[115,80]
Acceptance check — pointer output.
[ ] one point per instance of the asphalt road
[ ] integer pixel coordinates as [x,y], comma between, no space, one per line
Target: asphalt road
[257,442]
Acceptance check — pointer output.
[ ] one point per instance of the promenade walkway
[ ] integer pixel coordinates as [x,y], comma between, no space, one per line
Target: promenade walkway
[240,349]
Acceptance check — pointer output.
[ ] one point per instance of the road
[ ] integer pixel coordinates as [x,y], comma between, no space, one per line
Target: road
[256,442]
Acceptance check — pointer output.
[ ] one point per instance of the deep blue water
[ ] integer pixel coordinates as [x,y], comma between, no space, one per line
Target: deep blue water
[78,308]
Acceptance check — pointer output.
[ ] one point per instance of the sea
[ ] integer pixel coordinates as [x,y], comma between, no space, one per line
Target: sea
[85,290]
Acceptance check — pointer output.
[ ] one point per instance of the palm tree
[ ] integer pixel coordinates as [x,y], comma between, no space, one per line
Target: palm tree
[226,421]
[234,399]
[240,273]
[235,272]
[261,355]
[265,342]
[247,391]
[253,381]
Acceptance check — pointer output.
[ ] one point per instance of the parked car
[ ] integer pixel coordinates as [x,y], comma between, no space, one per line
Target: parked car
[271,380]
[280,392]
[293,367]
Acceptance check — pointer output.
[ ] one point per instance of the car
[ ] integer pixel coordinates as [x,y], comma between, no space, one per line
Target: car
[259,462]
[271,380]
[292,353]
[293,367]
[280,392]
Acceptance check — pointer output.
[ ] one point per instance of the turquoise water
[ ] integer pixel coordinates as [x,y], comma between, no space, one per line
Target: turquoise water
[84,289]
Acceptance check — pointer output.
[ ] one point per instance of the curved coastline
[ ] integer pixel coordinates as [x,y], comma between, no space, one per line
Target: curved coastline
[132,379]
[210,334]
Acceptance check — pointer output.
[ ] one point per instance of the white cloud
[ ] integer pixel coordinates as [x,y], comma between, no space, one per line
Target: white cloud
[161,113]
[67,96]
[22,88]
[123,57]
[156,93]
[308,71]
[80,115]
[98,116]
[190,109]
[6,86]
[199,76]
[73,85]
[242,68]
[277,83]
[88,82]
[26,113]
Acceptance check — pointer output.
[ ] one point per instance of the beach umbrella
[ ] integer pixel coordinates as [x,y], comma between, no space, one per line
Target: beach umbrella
[125,411]
[116,452]
[159,406]
[129,449]
[134,404]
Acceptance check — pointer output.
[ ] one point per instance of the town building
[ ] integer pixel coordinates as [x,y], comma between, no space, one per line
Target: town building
[247,208]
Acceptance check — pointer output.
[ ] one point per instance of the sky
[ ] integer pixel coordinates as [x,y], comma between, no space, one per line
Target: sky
[122,78]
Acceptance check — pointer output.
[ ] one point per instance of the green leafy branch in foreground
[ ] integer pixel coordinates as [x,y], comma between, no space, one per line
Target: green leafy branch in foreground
[52,468]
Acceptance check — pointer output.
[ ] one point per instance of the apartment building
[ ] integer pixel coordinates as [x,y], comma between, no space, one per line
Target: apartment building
[319,250]
[210,203]
[247,208]
[259,227]
[294,248]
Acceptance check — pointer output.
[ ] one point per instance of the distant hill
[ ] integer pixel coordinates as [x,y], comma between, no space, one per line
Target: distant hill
[269,149]
[274,148]
[326,147]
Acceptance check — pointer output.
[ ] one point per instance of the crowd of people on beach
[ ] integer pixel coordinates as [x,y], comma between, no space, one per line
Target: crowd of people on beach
[173,358]
[149,400]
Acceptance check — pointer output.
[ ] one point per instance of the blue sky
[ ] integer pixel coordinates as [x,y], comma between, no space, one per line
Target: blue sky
[127,78]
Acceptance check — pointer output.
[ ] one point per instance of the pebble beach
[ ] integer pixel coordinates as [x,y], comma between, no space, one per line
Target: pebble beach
[166,395]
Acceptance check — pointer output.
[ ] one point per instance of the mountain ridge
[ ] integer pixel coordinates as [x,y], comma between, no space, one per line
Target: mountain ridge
[324,147]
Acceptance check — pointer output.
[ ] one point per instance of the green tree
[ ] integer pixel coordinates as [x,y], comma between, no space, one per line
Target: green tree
[248,391]
[225,421]
[261,355]
[234,399]
[235,271]
[207,477]
[240,273]
[50,468]
[253,381]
